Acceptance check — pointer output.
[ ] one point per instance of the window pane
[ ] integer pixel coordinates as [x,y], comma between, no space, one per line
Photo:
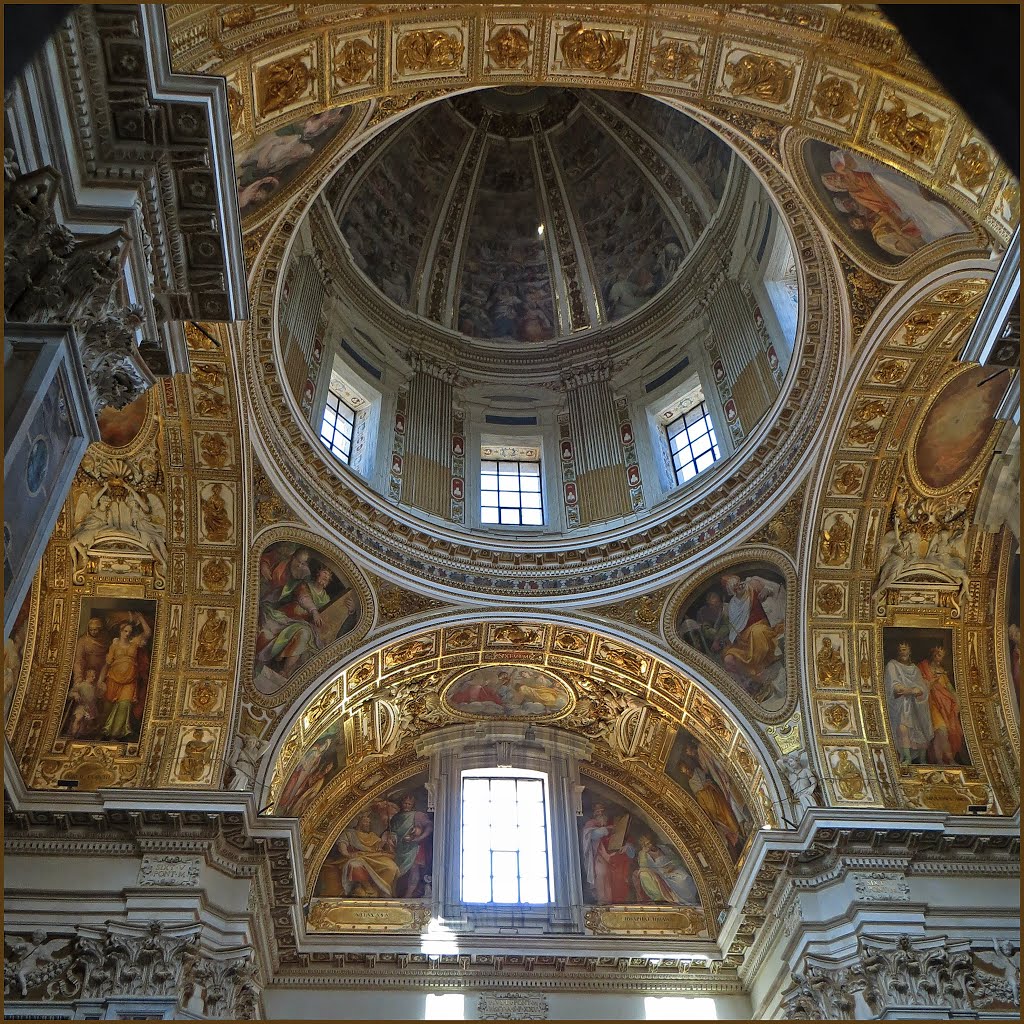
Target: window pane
[692,443]
[504,833]
[476,881]
[504,840]
[533,517]
[503,792]
[505,877]
[489,498]
[488,515]
[518,486]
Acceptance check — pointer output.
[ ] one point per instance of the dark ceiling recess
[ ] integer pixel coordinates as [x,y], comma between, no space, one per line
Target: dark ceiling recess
[974,52]
[26,29]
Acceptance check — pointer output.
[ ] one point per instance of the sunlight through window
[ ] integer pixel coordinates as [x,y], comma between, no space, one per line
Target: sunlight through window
[445,1006]
[680,1008]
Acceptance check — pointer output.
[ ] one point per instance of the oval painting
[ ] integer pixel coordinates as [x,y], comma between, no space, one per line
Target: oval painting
[958,424]
[508,691]
[884,214]
[305,604]
[738,620]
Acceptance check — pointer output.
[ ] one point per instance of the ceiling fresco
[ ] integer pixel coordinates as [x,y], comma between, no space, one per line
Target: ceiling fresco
[215,610]
[481,212]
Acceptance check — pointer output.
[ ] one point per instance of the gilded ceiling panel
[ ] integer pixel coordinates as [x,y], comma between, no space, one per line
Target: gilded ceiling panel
[911,702]
[817,68]
[129,676]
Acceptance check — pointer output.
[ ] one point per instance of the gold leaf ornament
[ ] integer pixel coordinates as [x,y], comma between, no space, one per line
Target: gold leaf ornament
[675,59]
[508,47]
[764,78]
[835,99]
[973,165]
[280,84]
[916,135]
[429,50]
[590,49]
[354,61]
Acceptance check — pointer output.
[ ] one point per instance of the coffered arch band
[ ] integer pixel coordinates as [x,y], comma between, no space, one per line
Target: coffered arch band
[570,646]
[845,76]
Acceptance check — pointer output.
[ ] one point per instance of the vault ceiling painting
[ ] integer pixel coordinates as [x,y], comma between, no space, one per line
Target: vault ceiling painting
[158,648]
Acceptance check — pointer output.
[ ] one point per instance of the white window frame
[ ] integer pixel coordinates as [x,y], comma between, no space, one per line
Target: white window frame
[677,426]
[364,399]
[516,454]
[343,413]
[516,775]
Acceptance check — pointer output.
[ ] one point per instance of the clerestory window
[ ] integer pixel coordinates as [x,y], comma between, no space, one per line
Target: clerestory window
[338,426]
[510,486]
[692,442]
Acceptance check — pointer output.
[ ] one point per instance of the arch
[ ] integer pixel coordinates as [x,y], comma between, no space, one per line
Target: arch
[441,555]
[408,668]
[853,604]
[830,65]
[743,559]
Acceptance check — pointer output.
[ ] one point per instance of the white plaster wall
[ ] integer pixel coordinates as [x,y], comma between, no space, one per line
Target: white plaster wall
[385,1004]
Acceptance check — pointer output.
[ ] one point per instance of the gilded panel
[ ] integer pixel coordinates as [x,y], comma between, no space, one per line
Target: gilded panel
[122,577]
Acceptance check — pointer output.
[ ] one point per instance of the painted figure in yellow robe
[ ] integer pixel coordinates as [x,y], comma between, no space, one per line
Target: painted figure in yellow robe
[361,864]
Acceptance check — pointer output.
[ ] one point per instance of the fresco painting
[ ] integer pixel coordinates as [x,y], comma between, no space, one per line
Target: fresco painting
[506,285]
[634,249]
[274,161]
[689,142]
[1013,627]
[921,696]
[110,673]
[738,620]
[14,651]
[507,691]
[388,216]
[119,427]
[624,858]
[958,424]
[320,763]
[305,604]
[699,771]
[385,851]
[883,213]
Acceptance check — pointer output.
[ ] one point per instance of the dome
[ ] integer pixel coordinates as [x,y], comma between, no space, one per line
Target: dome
[530,214]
